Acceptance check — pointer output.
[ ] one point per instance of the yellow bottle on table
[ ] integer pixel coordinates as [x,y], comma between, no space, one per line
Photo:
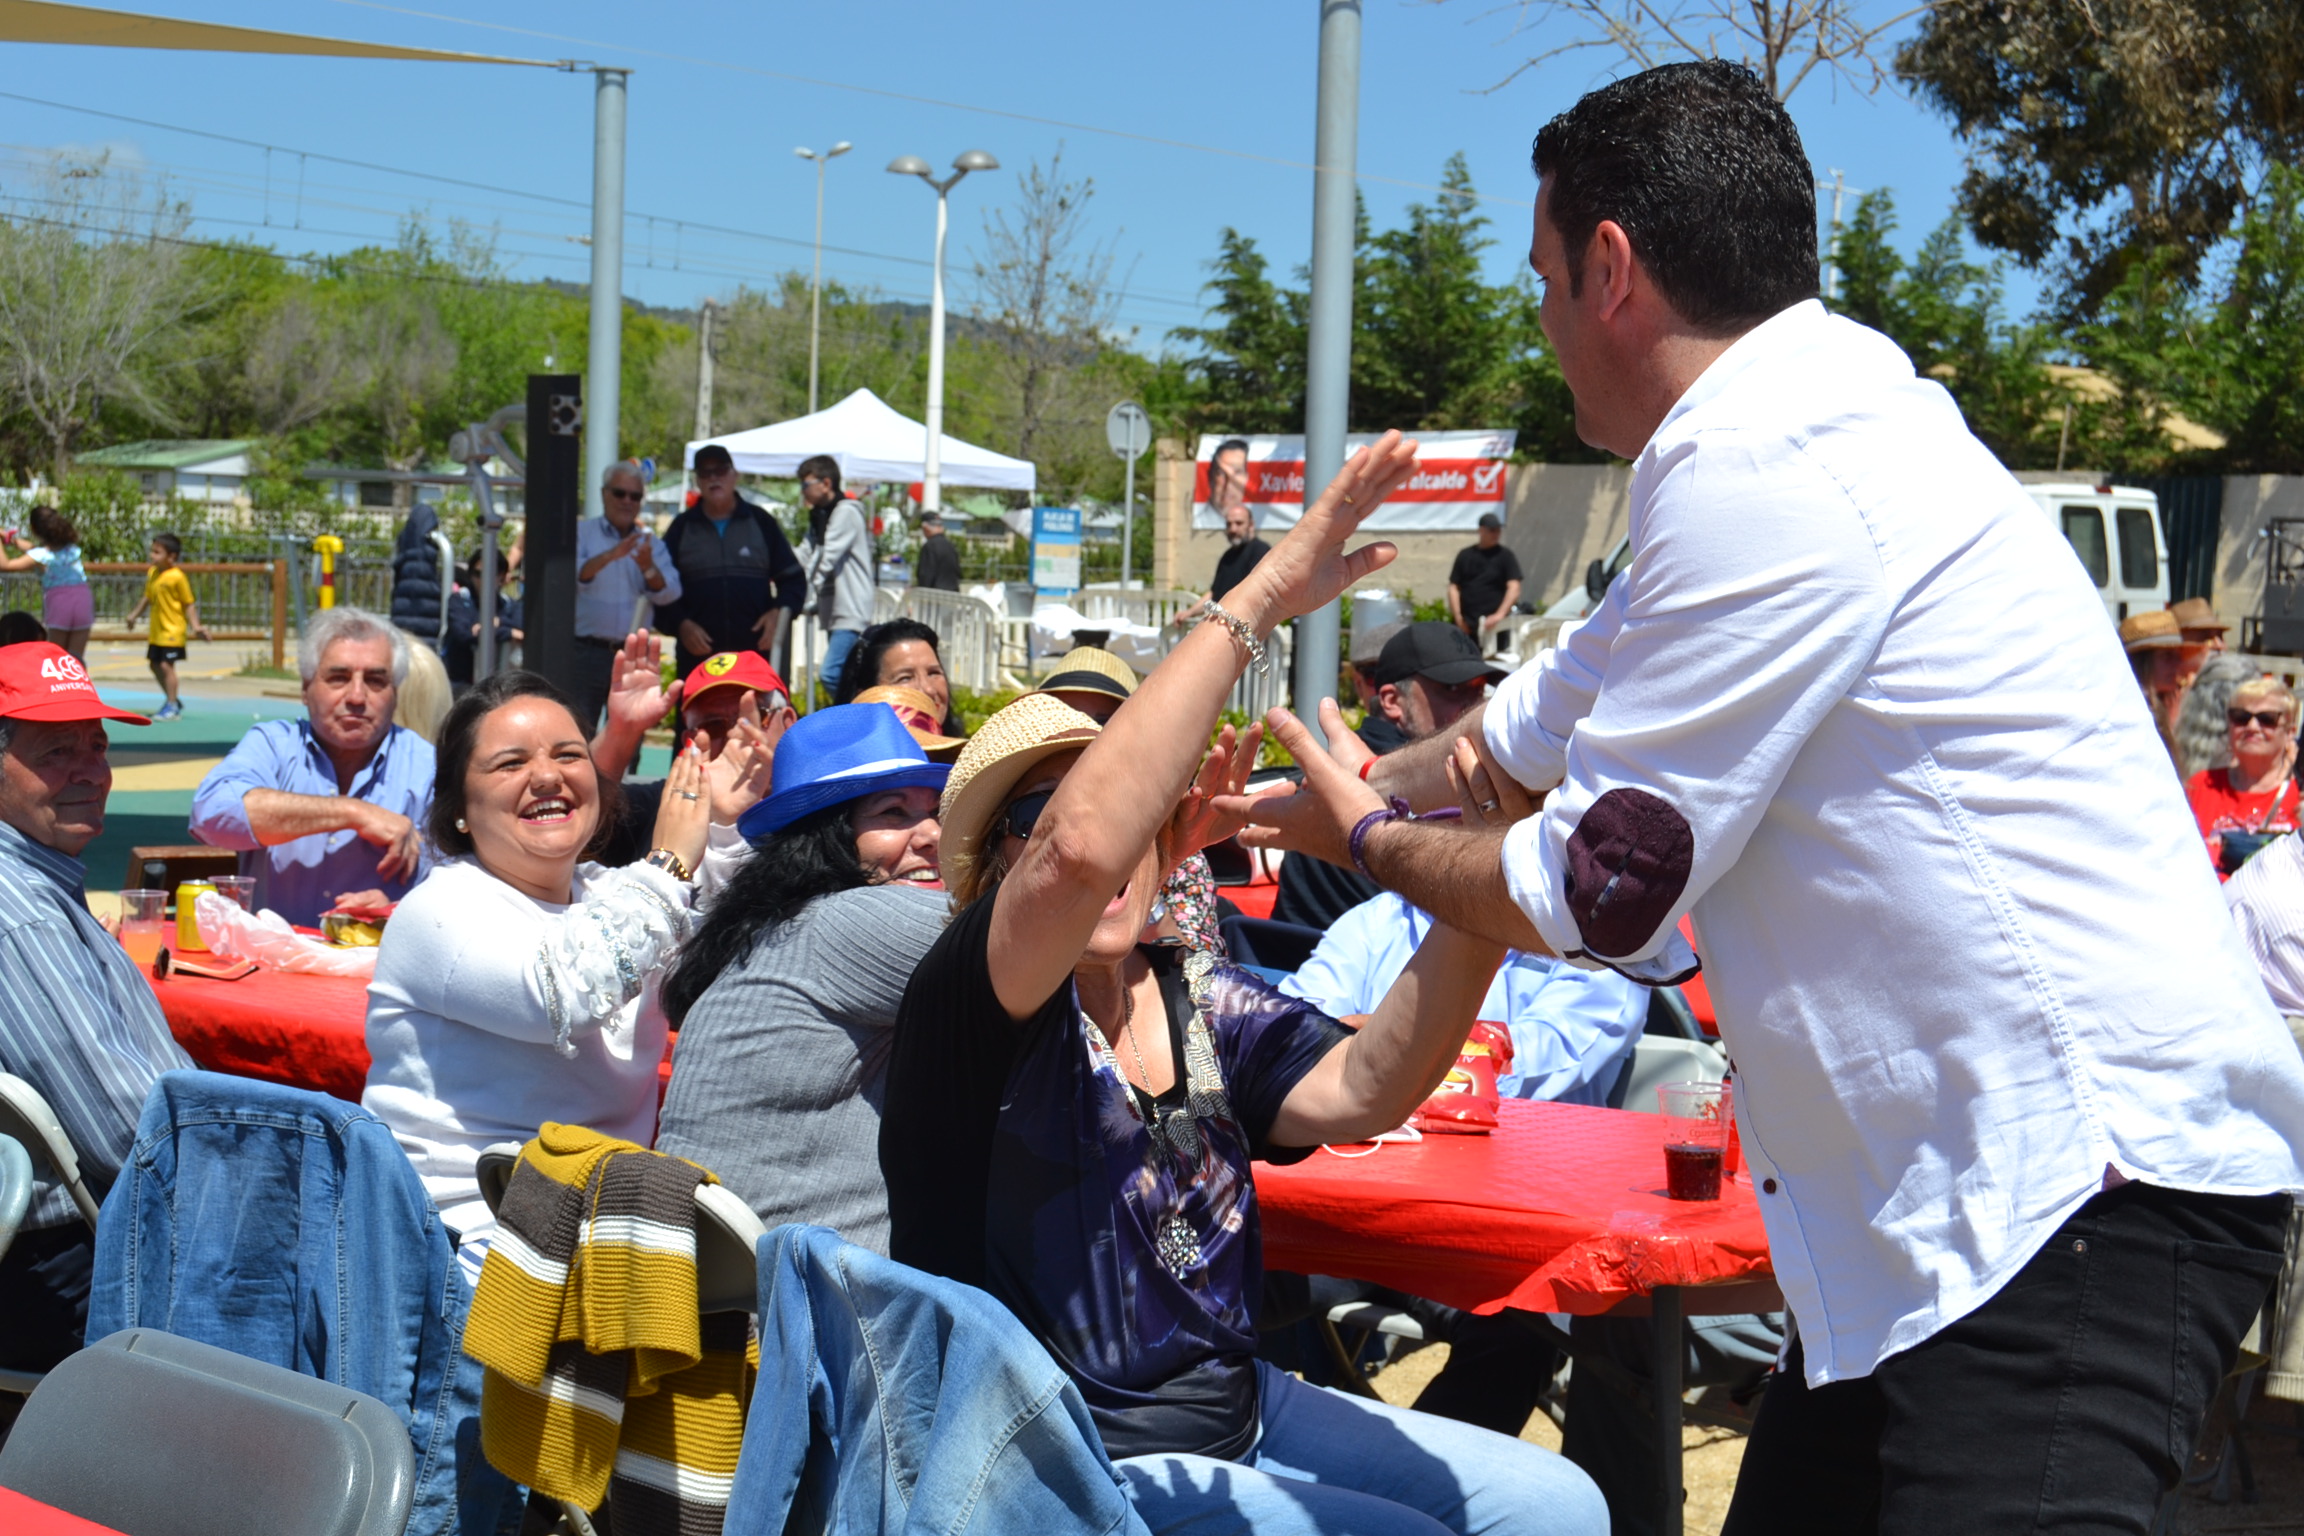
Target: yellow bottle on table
[187,919]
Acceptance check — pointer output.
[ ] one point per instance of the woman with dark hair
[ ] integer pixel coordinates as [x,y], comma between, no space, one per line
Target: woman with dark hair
[902,653]
[1098,1177]
[67,604]
[517,983]
[786,995]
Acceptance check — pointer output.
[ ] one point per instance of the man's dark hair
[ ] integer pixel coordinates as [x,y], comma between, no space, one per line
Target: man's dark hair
[822,467]
[460,735]
[1703,169]
[19,628]
[170,543]
[863,668]
[711,455]
[789,868]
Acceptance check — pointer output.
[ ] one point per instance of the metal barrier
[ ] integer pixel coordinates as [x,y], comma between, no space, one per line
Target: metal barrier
[238,600]
[971,639]
[1137,606]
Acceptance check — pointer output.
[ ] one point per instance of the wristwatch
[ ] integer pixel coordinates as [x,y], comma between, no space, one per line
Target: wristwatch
[669,862]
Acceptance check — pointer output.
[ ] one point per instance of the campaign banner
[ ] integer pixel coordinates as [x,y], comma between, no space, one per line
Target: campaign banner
[1459,475]
[1056,550]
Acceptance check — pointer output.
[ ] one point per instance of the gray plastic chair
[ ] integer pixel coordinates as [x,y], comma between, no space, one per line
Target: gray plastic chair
[25,1115]
[154,1435]
[15,1189]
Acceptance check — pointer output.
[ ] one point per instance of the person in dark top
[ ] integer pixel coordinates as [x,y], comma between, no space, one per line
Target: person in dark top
[1070,1115]
[902,653]
[418,583]
[939,564]
[1484,582]
[1427,677]
[1233,566]
[738,574]
[732,699]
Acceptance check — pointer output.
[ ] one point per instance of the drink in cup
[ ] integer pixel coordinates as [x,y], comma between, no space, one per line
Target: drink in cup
[143,925]
[1697,1117]
[240,890]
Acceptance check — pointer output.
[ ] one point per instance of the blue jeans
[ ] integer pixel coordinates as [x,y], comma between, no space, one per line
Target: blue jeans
[837,646]
[1326,1464]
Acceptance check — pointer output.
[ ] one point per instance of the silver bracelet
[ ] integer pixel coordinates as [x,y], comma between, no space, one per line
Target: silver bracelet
[1242,633]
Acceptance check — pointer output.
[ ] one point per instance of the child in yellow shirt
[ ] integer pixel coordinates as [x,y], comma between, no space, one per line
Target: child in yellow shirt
[175,618]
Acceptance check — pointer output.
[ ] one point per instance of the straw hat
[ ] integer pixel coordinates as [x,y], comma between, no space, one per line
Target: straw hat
[1012,743]
[2194,613]
[918,712]
[2150,631]
[1090,669]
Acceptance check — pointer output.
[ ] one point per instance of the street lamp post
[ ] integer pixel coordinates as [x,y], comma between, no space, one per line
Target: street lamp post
[931,479]
[816,280]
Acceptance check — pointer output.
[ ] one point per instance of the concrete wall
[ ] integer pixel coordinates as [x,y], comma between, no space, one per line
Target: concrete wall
[1558,517]
[2250,504]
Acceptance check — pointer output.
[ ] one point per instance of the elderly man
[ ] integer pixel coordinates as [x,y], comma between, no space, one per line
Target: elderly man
[1428,676]
[738,575]
[938,567]
[77,1021]
[328,808]
[620,565]
[1854,708]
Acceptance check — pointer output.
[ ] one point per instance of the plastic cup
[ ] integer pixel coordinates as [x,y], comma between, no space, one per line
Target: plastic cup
[143,924]
[1697,1117]
[240,890]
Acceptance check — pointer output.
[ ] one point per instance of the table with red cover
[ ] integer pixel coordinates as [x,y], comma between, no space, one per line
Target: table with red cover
[1560,1209]
[23,1515]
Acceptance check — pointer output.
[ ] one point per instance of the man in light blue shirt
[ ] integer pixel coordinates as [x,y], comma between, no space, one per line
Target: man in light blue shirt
[77,1021]
[1573,1030]
[619,564]
[330,808]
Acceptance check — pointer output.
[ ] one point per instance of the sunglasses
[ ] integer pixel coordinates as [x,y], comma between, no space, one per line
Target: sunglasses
[2270,719]
[624,495]
[1023,815]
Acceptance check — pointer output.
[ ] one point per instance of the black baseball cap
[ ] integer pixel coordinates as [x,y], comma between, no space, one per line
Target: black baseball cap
[1436,651]
[1490,520]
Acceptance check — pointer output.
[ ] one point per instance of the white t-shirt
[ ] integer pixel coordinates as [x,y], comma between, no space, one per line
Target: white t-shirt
[1856,707]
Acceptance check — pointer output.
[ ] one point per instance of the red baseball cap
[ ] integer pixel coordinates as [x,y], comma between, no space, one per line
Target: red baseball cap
[733,669]
[39,681]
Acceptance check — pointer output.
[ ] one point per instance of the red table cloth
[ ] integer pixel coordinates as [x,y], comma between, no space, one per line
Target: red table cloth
[304,1031]
[24,1516]
[1561,1209]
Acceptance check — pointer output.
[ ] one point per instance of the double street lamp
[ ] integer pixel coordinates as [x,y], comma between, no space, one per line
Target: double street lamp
[816,279]
[931,486]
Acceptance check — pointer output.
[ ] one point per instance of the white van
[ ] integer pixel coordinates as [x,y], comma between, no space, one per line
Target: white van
[2115,530]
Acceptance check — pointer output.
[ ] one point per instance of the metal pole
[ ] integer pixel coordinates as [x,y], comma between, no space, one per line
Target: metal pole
[1328,362]
[816,286]
[1664,1302]
[1832,255]
[1128,523]
[932,476]
[704,371]
[604,361]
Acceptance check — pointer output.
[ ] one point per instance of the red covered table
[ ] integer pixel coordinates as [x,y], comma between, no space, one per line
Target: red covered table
[23,1515]
[1562,1209]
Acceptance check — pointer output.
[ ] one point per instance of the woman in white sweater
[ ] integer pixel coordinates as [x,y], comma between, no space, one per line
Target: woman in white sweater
[517,984]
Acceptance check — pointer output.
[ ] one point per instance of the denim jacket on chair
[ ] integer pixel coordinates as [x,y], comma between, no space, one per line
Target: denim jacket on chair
[894,1403]
[289,1227]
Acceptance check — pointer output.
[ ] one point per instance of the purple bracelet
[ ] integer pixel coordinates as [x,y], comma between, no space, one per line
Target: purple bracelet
[1396,810]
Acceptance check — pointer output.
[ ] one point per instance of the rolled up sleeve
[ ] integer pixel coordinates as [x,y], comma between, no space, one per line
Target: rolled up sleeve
[219,816]
[1755,601]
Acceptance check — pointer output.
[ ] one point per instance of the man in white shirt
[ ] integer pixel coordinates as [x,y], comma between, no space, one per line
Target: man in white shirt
[2022,1121]
[619,564]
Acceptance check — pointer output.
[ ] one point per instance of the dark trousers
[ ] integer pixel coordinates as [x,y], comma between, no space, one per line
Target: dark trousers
[44,1284]
[595,661]
[2069,1402]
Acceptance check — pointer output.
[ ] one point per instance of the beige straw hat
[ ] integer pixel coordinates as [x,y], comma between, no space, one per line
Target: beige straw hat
[1090,669]
[1013,742]
[918,712]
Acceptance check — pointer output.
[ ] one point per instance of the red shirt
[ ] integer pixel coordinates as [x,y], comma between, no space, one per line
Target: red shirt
[2219,808]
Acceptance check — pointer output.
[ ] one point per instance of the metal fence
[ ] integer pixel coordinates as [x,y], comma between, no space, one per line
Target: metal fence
[238,600]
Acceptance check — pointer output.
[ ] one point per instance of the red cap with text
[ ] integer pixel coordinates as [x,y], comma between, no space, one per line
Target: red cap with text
[39,681]
[733,669]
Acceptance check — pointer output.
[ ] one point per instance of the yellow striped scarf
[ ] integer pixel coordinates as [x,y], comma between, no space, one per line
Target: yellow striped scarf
[602,1381]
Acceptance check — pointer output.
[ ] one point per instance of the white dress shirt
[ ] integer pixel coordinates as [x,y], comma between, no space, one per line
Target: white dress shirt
[606,603]
[2267,902]
[1856,707]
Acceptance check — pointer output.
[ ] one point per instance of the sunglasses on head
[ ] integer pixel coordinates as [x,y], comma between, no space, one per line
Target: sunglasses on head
[1023,815]
[2270,719]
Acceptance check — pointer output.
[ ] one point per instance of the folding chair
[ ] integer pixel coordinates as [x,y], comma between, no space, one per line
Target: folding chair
[221,1445]
[26,1119]
[15,1189]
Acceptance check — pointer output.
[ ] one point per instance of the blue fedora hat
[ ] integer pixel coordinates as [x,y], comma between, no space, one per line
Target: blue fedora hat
[836,755]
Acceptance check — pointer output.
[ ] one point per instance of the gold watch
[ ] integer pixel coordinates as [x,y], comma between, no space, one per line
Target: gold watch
[669,862]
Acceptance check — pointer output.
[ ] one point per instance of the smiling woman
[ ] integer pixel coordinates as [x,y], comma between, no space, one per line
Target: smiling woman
[517,983]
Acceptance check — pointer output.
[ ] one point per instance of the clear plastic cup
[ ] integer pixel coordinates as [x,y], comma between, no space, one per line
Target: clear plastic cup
[143,925]
[240,890]
[1697,1117]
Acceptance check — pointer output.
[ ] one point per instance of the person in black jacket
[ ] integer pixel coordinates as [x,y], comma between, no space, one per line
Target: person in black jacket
[738,574]
[939,563]
[418,588]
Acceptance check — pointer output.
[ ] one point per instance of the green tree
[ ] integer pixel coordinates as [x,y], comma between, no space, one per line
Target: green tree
[1434,343]
[1250,364]
[2253,388]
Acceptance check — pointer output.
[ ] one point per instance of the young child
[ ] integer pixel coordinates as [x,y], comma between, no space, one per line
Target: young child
[175,618]
[67,606]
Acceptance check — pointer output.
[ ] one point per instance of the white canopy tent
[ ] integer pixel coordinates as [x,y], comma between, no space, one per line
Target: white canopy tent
[872,442]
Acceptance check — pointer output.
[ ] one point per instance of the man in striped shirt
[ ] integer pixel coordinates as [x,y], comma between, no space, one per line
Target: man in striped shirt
[77,1021]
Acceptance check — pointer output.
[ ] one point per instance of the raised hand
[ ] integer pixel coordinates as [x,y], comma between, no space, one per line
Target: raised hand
[1309,567]
[1198,822]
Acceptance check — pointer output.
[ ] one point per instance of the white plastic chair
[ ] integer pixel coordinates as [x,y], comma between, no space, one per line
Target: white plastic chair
[26,1118]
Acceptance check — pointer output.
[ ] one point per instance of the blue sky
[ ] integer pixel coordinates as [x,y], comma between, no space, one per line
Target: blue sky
[713,126]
